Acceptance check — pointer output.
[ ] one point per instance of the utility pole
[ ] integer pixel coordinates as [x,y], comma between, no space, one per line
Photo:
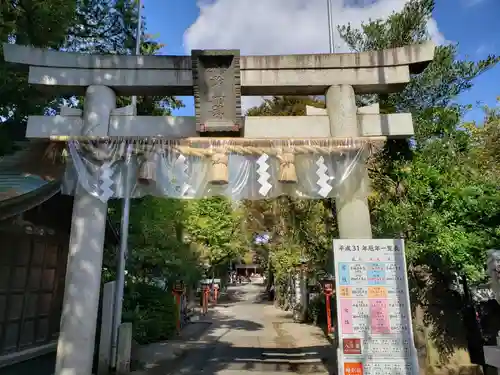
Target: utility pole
[330,26]
[122,257]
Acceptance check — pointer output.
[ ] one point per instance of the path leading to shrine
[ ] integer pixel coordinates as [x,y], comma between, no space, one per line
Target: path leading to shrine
[249,336]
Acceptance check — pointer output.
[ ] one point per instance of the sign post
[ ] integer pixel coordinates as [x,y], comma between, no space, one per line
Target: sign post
[373,303]
[327,285]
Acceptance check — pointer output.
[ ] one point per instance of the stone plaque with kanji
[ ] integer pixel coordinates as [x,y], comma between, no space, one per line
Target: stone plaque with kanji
[217,90]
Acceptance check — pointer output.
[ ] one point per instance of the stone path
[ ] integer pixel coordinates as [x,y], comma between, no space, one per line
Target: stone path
[252,337]
[246,336]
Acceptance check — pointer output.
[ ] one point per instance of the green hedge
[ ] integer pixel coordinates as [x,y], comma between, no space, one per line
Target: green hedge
[151,310]
[316,311]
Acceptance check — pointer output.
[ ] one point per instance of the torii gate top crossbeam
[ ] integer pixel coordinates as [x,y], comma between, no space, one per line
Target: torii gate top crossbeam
[368,72]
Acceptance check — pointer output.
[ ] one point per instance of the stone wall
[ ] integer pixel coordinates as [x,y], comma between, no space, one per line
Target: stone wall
[441,335]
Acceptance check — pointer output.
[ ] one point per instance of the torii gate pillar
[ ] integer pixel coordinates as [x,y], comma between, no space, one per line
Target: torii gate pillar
[353,214]
[75,348]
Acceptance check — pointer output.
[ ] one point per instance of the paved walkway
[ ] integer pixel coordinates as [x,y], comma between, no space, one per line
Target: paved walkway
[251,337]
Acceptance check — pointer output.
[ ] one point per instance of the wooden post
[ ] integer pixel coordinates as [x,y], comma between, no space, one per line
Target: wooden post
[216,293]
[328,314]
[498,345]
[179,317]
[327,285]
[206,292]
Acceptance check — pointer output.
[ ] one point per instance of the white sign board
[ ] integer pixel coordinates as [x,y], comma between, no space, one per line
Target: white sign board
[373,308]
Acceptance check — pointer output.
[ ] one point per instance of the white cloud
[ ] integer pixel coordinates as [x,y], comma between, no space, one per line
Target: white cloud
[472,3]
[436,35]
[481,49]
[484,49]
[282,26]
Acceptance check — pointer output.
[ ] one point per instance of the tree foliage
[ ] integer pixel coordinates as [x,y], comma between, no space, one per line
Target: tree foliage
[105,27]
[427,191]
[438,191]
[41,24]
[157,248]
[213,226]
[87,26]
[285,106]
[300,230]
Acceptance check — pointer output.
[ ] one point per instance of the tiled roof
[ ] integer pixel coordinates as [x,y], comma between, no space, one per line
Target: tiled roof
[15,184]
[26,170]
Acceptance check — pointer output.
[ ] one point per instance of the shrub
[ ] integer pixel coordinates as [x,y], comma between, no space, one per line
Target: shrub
[316,310]
[151,310]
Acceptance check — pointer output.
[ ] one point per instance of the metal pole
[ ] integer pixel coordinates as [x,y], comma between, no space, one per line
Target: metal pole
[498,344]
[122,257]
[330,26]
[138,41]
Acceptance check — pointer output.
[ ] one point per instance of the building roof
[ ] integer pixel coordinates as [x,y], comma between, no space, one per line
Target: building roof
[22,186]
[20,193]
[16,184]
[27,178]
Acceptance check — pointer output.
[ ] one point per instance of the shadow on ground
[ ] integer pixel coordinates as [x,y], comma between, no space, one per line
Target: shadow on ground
[212,359]
[221,321]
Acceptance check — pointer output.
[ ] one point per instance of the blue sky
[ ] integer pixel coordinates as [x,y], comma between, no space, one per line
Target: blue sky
[293,26]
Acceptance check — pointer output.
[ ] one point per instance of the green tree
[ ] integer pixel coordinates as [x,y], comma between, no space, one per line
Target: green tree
[433,192]
[110,27]
[213,226]
[156,240]
[402,174]
[299,229]
[106,27]
[285,106]
[486,141]
[41,24]
[103,26]
[87,26]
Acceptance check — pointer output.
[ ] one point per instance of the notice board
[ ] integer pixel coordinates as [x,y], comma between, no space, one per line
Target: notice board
[373,308]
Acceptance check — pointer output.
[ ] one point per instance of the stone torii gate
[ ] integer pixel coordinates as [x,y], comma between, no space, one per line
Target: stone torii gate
[217,79]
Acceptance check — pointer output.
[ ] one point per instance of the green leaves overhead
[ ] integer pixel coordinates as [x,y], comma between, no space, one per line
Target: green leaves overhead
[285,106]
[37,23]
[440,192]
[104,26]
[436,194]
[214,225]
